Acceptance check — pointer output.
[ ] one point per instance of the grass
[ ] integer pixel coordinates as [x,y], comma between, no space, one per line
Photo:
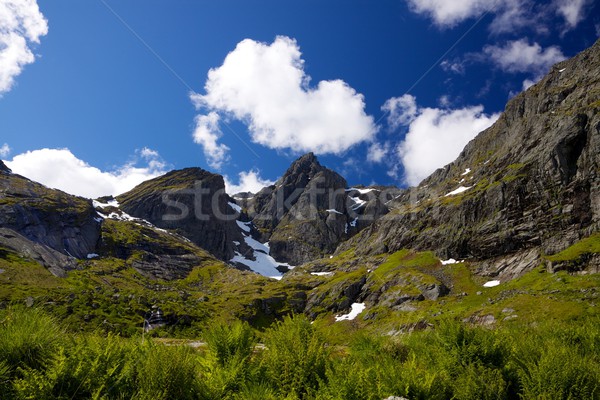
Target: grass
[546,360]
[589,245]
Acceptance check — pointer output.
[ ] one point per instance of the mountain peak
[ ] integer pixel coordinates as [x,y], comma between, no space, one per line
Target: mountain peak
[4,168]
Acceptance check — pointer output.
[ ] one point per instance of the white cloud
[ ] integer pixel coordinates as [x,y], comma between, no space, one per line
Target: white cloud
[573,11]
[248,181]
[5,150]
[449,13]
[508,14]
[21,24]
[377,152]
[457,66]
[437,136]
[527,83]
[400,110]
[60,169]
[265,86]
[207,134]
[521,56]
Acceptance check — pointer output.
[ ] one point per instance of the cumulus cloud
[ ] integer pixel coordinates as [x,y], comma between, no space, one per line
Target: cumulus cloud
[207,134]
[377,152]
[21,25]
[400,110]
[60,169]
[449,13]
[5,150]
[508,15]
[522,56]
[437,136]
[265,86]
[573,11]
[248,181]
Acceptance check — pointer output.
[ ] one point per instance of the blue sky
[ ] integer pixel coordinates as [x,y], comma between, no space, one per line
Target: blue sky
[114,92]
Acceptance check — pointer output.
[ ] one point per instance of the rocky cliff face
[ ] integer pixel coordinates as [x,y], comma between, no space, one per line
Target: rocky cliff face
[309,211]
[529,185]
[4,169]
[191,202]
[64,223]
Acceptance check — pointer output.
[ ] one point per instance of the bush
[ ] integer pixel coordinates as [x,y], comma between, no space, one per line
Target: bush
[167,372]
[226,367]
[90,367]
[28,337]
[296,357]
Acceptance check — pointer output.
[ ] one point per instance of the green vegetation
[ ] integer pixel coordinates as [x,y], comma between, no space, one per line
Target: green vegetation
[586,246]
[450,360]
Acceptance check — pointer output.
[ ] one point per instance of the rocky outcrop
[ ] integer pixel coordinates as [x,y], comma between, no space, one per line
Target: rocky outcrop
[191,202]
[152,252]
[309,211]
[4,169]
[57,263]
[65,223]
[530,183]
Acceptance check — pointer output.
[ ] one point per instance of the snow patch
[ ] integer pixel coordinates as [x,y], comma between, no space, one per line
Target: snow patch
[235,207]
[263,263]
[99,219]
[112,203]
[561,70]
[491,283]
[467,171]
[92,255]
[332,210]
[449,261]
[361,191]
[243,225]
[353,223]
[358,203]
[321,273]
[357,308]
[459,190]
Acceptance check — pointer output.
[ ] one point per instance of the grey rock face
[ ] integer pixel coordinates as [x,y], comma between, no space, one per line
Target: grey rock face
[4,168]
[308,212]
[57,263]
[191,202]
[534,180]
[65,223]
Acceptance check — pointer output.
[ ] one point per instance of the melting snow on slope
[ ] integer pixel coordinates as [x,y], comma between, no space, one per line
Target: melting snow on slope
[92,255]
[361,191]
[321,273]
[357,308]
[243,225]
[235,207]
[332,210]
[491,284]
[358,203]
[263,263]
[561,70]
[459,190]
[449,261]
[467,171]
[112,203]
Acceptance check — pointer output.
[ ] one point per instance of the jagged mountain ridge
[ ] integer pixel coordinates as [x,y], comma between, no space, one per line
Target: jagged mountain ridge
[527,186]
[309,211]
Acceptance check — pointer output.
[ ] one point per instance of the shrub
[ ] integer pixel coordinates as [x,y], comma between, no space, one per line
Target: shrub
[28,337]
[90,367]
[296,357]
[167,372]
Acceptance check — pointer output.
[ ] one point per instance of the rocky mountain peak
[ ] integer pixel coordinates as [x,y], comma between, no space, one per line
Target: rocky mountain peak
[4,168]
[191,202]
